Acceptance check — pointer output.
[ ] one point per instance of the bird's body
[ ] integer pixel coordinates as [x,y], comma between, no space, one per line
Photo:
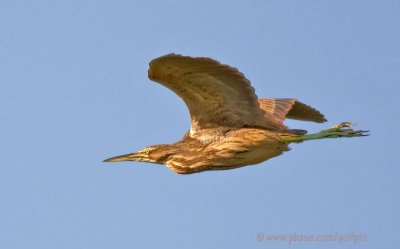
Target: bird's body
[224,148]
[231,127]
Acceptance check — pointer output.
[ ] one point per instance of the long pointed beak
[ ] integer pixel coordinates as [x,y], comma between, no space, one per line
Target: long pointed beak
[126,157]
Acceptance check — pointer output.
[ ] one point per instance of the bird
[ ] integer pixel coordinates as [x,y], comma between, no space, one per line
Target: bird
[230,126]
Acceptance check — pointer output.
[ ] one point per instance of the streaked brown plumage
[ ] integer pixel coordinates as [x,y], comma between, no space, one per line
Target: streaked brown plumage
[230,126]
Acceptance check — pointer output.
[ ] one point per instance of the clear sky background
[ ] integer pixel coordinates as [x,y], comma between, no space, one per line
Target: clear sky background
[74,91]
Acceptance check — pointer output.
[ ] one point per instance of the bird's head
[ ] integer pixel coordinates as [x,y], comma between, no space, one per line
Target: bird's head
[152,154]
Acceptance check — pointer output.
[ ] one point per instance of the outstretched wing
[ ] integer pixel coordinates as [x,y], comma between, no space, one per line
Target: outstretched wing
[215,94]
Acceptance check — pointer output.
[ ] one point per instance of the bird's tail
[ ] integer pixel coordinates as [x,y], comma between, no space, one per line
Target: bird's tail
[277,110]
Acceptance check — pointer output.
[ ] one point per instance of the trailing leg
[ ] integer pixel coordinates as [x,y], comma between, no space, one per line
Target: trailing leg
[340,130]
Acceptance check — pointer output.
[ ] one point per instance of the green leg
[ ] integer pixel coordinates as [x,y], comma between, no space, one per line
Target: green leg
[339,130]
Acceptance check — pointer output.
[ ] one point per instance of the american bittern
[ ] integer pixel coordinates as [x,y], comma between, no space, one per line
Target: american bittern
[230,126]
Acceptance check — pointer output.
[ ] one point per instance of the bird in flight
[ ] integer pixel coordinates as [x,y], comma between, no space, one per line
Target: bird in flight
[230,126]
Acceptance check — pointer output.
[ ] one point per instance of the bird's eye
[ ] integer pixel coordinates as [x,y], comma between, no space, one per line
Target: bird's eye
[146,151]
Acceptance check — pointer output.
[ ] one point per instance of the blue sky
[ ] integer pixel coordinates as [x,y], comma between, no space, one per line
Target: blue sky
[74,91]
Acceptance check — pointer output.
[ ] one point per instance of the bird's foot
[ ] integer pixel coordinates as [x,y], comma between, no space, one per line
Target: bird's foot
[340,130]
